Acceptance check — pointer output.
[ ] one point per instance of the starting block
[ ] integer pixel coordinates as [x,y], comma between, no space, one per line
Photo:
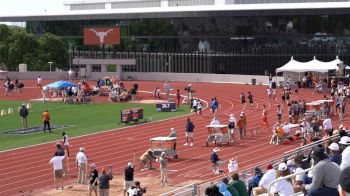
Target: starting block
[3,113]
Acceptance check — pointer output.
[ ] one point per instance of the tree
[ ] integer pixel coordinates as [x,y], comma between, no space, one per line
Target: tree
[21,44]
[52,49]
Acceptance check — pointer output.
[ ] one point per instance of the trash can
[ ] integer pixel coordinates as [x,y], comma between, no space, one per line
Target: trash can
[253,81]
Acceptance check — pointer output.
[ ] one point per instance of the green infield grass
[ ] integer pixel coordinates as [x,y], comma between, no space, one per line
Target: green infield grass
[82,119]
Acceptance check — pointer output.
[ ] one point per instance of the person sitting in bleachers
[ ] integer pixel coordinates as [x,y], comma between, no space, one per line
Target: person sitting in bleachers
[255,180]
[282,187]
[265,181]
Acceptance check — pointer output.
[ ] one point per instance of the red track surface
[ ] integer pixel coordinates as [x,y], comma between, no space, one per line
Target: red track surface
[27,169]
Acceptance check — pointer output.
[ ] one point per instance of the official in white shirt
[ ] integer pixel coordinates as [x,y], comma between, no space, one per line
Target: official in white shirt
[57,164]
[81,161]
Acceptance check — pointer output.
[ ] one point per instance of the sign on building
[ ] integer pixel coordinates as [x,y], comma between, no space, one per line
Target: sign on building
[102,36]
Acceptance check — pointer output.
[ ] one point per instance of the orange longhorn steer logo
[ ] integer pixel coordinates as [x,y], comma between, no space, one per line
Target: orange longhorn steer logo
[99,36]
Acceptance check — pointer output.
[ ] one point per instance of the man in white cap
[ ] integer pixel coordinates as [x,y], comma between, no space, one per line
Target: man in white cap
[345,143]
[81,161]
[334,154]
[283,186]
[128,177]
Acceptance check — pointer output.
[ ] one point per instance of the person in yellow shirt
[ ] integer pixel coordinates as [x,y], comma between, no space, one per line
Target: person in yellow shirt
[46,120]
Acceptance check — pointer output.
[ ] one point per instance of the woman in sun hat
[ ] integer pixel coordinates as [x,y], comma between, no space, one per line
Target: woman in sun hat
[215,160]
[283,187]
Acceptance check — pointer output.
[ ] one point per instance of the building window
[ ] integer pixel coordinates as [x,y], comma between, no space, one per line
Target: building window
[90,6]
[96,68]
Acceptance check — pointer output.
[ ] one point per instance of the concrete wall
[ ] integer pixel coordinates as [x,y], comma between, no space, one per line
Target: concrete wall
[151,76]
[193,77]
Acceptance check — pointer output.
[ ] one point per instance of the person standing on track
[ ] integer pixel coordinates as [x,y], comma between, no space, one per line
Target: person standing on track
[240,125]
[214,105]
[167,88]
[57,164]
[46,120]
[232,126]
[128,177]
[279,113]
[243,100]
[163,169]
[103,181]
[189,132]
[251,101]
[81,161]
[39,82]
[269,93]
[65,142]
[93,179]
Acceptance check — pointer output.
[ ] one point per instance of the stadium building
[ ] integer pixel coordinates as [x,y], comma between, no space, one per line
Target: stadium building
[202,36]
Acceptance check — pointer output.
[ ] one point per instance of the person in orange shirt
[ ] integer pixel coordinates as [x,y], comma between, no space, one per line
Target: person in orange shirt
[46,120]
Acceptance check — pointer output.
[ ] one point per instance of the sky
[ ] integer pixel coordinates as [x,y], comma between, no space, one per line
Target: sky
[28,6]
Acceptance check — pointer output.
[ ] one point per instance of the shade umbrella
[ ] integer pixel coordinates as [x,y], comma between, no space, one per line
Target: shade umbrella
[61,84]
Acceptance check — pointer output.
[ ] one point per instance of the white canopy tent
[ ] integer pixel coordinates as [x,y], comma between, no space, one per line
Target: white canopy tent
[313,66]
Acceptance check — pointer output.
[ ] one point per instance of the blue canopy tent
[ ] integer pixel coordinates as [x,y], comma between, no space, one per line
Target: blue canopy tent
[61,84]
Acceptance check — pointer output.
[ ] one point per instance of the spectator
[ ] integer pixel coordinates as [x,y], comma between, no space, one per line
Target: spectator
[282,187]
[81,161]
[265,181]
[212,191]
[325,175]
[93,179]
[65,142]
[189,132]
[57,164]
[255,181]
[103,181]
[128,177]
[163,169]
[344,182]
[298,160]
[24,114]
[334,154]
[345,143]
[136,190]
[291,165]
[46,120]
[146,158]
[231,189]
[239,185]
[223,188]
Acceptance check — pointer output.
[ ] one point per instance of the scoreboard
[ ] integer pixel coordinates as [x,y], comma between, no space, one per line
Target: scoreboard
[133,114]
[166,107]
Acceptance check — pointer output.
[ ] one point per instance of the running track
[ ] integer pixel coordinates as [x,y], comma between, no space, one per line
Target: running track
[27,169]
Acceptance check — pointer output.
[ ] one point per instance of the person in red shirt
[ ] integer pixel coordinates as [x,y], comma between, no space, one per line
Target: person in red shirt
[178,98]
[264,123]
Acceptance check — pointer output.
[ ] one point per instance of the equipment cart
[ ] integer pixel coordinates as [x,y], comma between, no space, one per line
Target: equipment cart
[164,144]
[218,134]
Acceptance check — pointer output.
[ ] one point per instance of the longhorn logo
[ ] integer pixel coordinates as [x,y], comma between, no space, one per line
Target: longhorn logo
[101,34]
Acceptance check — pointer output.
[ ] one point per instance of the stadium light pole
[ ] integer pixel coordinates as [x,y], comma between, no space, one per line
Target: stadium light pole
[50,63]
